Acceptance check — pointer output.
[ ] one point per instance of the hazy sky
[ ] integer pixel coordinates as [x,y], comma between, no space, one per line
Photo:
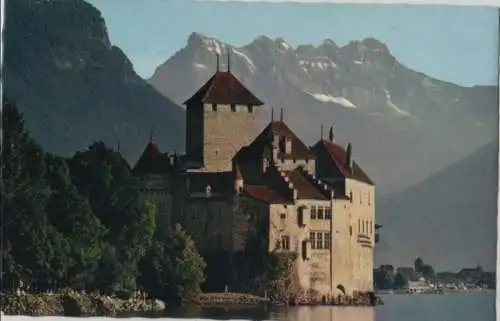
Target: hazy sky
[457,44]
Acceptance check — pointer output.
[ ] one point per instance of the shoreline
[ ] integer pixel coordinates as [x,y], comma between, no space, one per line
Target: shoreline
[86,304]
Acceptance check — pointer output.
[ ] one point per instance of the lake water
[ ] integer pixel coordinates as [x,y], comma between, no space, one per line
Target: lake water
[478,306]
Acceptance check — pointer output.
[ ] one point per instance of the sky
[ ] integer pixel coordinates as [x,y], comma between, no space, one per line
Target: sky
[452,43]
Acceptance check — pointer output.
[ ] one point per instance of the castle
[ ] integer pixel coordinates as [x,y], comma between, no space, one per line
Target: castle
[315,201]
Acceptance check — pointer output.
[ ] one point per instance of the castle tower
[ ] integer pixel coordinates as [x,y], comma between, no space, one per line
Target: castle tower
[221,118]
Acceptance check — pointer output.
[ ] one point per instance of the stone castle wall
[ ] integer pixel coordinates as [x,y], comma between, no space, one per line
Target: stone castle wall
[226,130]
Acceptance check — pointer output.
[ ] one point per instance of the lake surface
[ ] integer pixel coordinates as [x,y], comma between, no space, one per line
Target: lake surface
[471,306]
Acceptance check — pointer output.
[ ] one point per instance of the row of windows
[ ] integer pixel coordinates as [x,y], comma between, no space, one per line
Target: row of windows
[351,197]
[233,107]
[321,213]
[365,226]
[283,243]
[320,240]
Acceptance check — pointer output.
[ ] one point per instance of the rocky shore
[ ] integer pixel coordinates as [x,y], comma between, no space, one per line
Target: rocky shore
[78,304]
[239,299]
[72,304]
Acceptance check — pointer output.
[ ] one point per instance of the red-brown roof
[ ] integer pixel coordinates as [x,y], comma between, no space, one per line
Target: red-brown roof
[224,88]
[338,156]
[265,194]
[306,189]
[262,144]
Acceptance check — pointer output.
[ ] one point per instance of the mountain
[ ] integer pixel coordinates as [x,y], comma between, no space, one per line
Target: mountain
[75,87]
[449,219]
[392,114]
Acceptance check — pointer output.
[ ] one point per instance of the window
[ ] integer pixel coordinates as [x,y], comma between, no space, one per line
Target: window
[312,238]
[233,107]
[360,198]
[288,146]
[283,216]
[250,109]
[327,241]
[350,196]
[369,199]
[285,242]
[319,241]
[350,230]
[313,212]
[359,225]
[328,213]
[320,213]
[214,107]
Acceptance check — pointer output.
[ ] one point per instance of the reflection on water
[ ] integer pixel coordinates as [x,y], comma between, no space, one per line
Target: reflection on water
[323,313]
[426,307]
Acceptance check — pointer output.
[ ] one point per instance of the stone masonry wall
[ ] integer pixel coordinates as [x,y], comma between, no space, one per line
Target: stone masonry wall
[362,209]
[225,131]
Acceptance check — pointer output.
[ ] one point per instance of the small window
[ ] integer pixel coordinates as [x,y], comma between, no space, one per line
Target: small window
[313,212]
[319,241]
[250,109]
[320,213]
[328,213]
[350,230]
[327,241]
[369,199]
[214,107]
[312,238]
[351,196]
[359,225]
[233,107]
[283,216]
[285,242]
[288,146]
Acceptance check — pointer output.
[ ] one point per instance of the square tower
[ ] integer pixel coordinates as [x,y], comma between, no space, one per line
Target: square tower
[221,118]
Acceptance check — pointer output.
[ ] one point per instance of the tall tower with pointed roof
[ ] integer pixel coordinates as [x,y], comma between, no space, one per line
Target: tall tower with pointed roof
[221,118]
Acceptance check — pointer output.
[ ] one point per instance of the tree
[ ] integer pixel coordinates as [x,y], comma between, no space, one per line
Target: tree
[418,264]
[172,268]
[384,277]
[70,213]
[400,281]
[427,271]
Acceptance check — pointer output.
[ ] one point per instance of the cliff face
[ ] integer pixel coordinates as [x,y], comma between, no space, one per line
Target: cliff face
[75,87]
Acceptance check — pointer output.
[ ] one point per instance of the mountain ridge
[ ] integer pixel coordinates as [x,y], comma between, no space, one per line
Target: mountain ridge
[75,86]
[382,100]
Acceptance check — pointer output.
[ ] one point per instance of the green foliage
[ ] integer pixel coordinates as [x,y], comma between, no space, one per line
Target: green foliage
[384,277]
[400,281]
[80,222]
[172,269]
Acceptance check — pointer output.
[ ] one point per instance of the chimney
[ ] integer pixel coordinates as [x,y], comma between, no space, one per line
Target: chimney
[218,65]
[349,158]
[281,114]
[330,135]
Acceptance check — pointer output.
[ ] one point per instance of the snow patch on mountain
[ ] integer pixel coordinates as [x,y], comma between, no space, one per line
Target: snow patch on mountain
[214,45]
[252,66]
[393,106]
[326,98]
[201,66]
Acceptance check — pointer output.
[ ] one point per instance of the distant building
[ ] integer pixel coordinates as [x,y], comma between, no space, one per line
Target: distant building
[315,201]
[408,273]
[471,275]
